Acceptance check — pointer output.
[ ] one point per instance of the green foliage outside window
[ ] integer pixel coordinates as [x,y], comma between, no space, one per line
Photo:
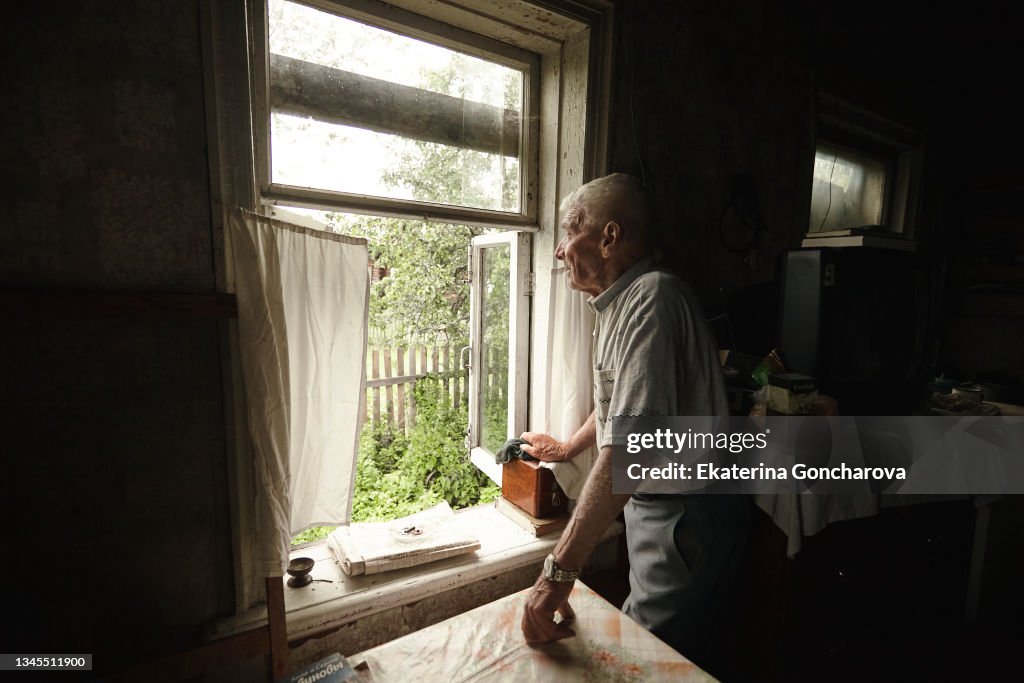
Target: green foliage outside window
[398,475]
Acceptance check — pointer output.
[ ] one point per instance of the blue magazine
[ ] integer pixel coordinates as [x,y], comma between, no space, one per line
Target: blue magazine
[331,669]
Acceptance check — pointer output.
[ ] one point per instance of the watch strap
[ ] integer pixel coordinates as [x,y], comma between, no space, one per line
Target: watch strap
[559,575]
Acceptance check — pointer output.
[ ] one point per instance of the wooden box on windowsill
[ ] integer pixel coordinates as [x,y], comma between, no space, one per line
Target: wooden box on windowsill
[532,488]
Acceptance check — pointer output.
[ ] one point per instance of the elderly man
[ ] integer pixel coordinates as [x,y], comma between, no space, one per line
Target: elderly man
[653,355]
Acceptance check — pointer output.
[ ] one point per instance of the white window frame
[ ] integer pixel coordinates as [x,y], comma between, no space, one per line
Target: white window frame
[519,291]
[574,41]
[416,26]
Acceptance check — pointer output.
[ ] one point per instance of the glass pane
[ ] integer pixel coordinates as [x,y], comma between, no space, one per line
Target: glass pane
[359,109]
[494,347]
[848,190]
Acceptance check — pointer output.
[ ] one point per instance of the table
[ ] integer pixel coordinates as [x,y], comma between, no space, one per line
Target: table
[486,644]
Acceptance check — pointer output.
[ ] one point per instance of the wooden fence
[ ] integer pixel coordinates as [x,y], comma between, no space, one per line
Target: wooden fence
[391,374]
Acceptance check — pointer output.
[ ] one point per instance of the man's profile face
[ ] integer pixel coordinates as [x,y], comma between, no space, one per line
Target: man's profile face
[580,249]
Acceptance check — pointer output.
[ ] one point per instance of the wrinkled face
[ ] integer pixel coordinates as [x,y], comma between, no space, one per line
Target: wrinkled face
[580,248]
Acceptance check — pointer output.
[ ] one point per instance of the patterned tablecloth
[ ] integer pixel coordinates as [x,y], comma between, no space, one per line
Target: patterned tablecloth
[486,644]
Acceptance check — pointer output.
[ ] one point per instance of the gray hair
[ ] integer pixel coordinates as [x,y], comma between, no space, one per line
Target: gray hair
[617,197]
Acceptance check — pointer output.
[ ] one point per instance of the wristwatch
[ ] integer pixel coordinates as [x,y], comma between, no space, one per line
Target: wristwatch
[552,572]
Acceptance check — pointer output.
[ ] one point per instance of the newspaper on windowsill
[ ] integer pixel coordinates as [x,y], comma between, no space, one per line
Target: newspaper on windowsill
[373,547]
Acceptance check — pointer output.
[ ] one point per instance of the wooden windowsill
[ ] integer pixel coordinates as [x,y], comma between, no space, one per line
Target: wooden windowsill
[322,606]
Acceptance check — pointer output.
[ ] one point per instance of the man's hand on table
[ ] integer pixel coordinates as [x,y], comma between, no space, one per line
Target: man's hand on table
[543,447]
[546,598]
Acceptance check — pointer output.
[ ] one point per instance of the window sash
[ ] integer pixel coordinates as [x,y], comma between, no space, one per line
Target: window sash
[428,30]
[518,342]
[328,200]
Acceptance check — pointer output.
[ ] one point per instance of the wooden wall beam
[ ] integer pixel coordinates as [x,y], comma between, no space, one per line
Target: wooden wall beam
[340,97]
[30,304]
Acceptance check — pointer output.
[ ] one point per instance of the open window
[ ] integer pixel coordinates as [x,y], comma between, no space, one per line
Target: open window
[406,129]
[500,286]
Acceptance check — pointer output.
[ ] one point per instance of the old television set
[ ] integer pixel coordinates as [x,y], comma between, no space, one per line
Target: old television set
[853,317]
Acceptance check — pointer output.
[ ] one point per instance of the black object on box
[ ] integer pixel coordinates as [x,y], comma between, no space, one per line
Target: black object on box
[794,382]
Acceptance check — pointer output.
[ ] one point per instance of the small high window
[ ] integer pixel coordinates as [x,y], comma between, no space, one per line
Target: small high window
[865,172]
[849,189]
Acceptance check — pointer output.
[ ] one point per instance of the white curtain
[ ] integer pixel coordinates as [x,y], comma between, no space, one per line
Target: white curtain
[302,320]
[570,391]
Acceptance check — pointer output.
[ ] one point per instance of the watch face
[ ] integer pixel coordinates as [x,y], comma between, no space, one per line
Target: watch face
[549,567]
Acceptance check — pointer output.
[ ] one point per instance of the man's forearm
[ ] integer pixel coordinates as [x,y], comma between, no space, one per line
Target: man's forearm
[596,509]
[583,438]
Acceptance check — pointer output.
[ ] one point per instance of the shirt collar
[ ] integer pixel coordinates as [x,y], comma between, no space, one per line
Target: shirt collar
[604,299]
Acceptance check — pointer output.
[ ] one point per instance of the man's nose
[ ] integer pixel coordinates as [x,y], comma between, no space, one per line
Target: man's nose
[560,250]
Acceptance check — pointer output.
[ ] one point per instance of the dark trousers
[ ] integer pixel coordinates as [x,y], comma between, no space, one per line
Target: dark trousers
[684,556]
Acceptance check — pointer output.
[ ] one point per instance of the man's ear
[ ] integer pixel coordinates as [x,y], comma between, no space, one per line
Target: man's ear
[611,235]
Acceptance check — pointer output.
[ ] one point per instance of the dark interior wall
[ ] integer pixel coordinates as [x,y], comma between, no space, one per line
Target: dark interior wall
[983,324]
[913,66]
[114,429]
[948,77]
[705,92]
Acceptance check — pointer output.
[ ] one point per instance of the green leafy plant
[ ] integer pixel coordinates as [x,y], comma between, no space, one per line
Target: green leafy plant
[398,475]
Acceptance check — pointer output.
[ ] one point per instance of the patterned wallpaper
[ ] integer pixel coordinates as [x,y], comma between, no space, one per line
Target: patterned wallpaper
[105,149]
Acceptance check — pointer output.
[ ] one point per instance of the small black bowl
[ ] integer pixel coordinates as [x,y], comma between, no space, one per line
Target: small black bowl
[299,570]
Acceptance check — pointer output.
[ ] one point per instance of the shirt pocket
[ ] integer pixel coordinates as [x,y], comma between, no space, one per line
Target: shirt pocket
[604,385]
